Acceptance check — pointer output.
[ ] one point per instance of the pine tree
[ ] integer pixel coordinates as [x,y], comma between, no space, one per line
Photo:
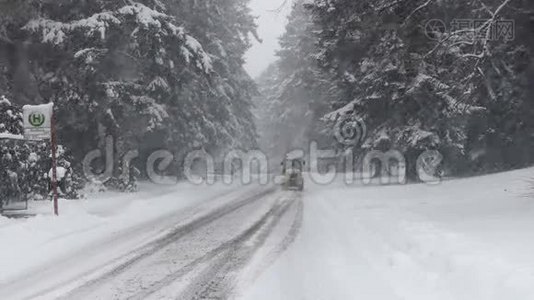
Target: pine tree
[152,74]
[224,29]
[420,90]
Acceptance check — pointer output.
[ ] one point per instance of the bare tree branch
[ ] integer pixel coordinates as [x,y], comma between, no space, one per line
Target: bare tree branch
[417,9]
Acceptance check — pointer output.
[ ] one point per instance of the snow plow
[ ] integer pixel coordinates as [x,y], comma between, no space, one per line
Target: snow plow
[292,174]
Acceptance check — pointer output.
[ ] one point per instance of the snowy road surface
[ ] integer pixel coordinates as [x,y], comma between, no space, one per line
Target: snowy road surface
[462,239]
[196,252]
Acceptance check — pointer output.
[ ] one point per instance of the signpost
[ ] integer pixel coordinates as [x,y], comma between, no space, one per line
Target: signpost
[39,125]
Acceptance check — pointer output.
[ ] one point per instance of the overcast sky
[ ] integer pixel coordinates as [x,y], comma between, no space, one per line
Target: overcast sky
[271,26]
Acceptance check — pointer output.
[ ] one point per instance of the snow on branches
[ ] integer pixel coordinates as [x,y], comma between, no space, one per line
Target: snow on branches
[10,120]
[56,32]
[144,19]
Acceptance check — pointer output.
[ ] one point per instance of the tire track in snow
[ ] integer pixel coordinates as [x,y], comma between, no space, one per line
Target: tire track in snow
[218,280]
[273,254]
[19,284]
[130,260]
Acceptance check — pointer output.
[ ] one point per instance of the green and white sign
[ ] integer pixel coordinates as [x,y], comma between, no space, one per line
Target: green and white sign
[38,121]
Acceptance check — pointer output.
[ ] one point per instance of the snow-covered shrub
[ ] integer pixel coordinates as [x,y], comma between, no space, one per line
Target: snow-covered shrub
[10,119]
[25,165]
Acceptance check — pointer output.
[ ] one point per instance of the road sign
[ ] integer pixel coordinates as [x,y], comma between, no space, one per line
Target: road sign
[38,122]
[38,126]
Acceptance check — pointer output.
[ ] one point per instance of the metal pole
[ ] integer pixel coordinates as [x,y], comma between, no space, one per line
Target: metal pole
[54,164]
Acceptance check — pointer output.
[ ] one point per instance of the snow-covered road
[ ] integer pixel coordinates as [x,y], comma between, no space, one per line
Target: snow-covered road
[199,258]
[461,239]
[197,251]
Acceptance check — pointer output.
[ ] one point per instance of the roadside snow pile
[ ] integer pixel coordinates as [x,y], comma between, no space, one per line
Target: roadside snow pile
[26,243]
[464,239]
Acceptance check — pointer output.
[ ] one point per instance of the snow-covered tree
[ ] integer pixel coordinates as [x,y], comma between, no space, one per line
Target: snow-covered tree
[152,74]
[420,90]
